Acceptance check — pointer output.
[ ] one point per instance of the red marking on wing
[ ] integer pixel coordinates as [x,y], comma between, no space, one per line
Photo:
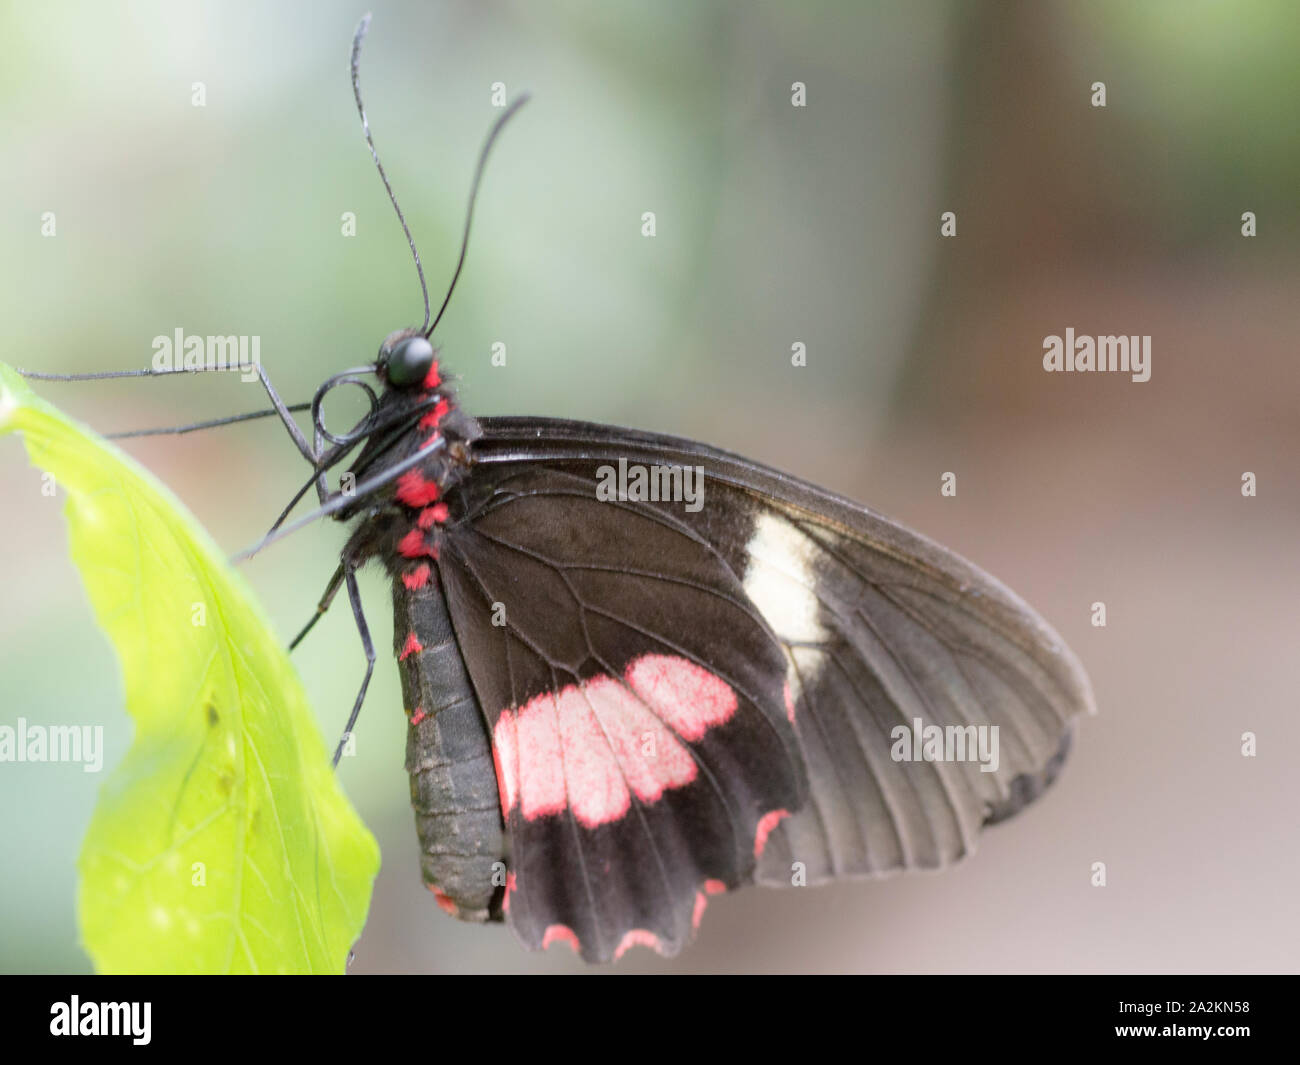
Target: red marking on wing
[789,703]
[710,887]
[558,933]
[430,516]
[412,647]
[766,824]
[686,697]
[433,378]
[416,490]
[589,748]
[431,420]
[417,578]
[638,937]
[697,915]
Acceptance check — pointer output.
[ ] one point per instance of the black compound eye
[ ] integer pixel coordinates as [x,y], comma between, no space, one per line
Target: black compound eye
[409,362]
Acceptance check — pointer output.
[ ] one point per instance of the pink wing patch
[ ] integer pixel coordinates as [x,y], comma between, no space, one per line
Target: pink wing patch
[689,699]
[591,747]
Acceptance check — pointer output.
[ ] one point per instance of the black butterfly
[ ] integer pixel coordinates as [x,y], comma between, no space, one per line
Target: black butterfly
[639,671]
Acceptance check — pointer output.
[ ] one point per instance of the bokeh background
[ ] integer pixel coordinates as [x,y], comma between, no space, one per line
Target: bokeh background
[775,225]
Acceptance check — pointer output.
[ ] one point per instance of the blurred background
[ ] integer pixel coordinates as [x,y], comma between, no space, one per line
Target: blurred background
[775,225]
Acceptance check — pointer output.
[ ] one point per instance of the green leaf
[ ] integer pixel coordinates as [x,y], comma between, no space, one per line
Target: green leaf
[223,842]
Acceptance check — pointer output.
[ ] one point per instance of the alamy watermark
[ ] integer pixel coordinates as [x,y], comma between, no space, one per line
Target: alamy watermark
[946,743]
[651,484]
[53,743]
[133,1019]
[181,352]
[1108,354]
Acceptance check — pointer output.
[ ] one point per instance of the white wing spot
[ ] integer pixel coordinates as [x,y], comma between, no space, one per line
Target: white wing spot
[780,578]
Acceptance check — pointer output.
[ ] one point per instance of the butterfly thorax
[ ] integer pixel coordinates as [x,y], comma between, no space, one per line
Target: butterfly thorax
[402,521]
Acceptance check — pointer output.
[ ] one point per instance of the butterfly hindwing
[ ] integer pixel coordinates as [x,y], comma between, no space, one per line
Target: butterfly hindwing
[635,701]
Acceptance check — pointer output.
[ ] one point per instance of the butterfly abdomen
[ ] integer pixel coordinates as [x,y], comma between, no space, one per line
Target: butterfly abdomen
[449,757]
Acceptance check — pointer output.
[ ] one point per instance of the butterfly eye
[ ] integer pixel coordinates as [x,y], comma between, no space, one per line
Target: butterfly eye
[409,362]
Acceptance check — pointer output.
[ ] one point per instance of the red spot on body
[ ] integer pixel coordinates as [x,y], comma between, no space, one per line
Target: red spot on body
[510,886]
[558,933]
[413,545]
[416,490]
[431,420]
[430,516]
[638,937]
[766,824]
[686,697]
[417,578]
[418,715]
[412,647]
[444,902]
[714,887]
[433,378]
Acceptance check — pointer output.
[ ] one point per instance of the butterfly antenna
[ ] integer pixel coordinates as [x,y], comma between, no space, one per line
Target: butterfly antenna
[360,36]
[497,126]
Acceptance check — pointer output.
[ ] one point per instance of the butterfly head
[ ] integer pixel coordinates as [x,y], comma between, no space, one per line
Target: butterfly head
[405,359]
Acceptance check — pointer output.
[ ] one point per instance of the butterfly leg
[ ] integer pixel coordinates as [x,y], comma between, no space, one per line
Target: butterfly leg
[322,485]
[300,441]
[211,423]
[354,595]
[331,590]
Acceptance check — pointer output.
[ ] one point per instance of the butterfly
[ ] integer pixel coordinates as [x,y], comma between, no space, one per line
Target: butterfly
[640,672]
